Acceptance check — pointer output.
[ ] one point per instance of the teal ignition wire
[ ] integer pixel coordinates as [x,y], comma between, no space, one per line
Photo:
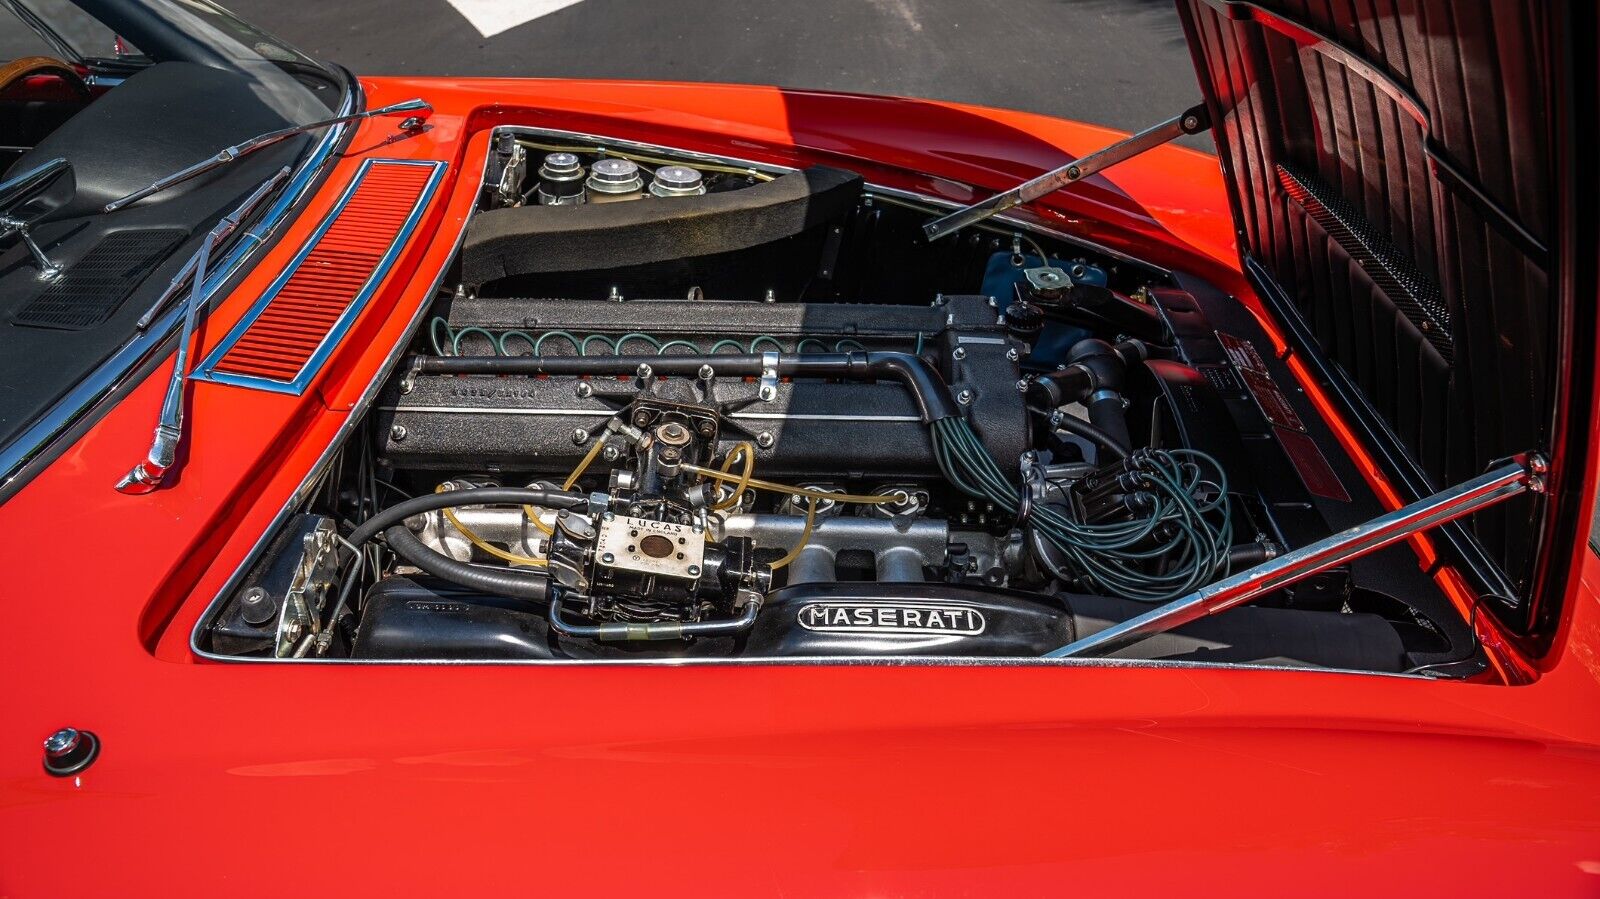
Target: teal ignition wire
[538,345]
[583,348]
[455,342]
[501,343]
[654,343]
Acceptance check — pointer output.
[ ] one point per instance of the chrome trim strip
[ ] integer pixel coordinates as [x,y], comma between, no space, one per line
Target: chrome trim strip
[104,378]
[303,378]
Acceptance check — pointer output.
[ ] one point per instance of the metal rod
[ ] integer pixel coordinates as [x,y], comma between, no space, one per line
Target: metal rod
[1522,474]
[416,107]
[1188,122]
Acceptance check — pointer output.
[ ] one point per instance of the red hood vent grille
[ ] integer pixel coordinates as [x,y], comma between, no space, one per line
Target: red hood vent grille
[284,339]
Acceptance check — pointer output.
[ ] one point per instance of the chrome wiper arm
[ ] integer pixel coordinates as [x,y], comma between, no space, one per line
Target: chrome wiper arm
[1191,121]
[416,108]
[148,474]
[214,239]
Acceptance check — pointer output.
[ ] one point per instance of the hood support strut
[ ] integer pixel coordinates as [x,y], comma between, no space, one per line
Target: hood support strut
[1190,121]
[1521,474]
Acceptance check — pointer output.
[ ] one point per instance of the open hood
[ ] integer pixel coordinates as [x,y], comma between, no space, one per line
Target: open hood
[1404,185]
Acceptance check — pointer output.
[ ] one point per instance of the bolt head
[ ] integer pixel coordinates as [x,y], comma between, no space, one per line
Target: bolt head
[580,436]
[611,454]
[764,440]
[767,393]
[397,432]
[62,742]
[964,397]
[608,558]
[1013,355]
[707,372]
[693,570]
[1022,386]
[958,353]
[585,389]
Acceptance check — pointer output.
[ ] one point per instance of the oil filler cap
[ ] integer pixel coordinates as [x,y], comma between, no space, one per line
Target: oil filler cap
[69,751]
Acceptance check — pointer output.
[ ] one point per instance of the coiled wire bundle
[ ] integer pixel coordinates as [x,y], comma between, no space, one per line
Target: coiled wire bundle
[1177,543]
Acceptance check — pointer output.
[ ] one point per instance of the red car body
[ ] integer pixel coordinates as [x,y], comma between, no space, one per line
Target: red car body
[243,779]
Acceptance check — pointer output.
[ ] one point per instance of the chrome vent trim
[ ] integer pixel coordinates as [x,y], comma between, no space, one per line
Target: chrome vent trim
[208,370]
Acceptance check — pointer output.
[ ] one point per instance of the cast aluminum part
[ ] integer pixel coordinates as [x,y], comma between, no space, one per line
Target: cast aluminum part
[148,474]
[561,180]
[416,110]
[677,181]
[1523,474]
[901,548]
[1190,121]
[613,179]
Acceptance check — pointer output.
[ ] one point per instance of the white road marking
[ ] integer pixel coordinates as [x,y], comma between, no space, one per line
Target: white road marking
[491,17]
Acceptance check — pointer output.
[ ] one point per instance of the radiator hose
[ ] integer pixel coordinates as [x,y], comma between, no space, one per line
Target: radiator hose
[1095,376]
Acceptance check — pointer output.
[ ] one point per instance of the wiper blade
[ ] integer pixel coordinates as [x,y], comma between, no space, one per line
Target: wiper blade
[1191,121]
[148,474]
[416,109]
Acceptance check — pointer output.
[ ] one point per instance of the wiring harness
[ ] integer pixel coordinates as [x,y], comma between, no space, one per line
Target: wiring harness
[1175,542]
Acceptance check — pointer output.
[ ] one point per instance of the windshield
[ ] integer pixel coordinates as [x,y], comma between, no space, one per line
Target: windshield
[99,98]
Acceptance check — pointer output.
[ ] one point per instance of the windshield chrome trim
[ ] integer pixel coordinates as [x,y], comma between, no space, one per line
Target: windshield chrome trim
[110,373]
[319,357]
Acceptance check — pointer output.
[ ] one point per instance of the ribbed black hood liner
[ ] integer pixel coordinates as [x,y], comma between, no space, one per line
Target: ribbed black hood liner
[1394,178]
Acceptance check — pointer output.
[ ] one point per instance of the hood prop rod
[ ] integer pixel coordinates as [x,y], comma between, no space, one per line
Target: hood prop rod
[1521,474]
[148,474]
[1190,121]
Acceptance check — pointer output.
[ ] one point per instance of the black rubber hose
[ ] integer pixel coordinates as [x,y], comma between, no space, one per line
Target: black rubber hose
[1104,402]
[501,581]
[476,496]
[926,386]
[1092,434]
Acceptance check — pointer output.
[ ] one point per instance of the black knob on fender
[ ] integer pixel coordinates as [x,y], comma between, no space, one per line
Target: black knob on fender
[69,750]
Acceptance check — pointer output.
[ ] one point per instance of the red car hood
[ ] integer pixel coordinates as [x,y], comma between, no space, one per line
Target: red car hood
[1406,185]
[368,780]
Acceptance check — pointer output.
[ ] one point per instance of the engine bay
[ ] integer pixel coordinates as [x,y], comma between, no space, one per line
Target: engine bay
[668,406]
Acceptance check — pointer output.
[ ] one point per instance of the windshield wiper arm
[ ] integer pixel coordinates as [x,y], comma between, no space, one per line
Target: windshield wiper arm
[416,109]
[1191,121]
[148,474]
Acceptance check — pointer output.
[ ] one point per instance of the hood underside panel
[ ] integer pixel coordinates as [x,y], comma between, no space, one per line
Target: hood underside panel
[1394,181]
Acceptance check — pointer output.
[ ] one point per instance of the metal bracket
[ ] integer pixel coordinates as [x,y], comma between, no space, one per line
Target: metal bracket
[767,387]
[1190,121]
[1522,474]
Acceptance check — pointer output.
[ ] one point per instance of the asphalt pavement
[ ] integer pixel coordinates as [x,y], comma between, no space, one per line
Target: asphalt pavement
[1120,63]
